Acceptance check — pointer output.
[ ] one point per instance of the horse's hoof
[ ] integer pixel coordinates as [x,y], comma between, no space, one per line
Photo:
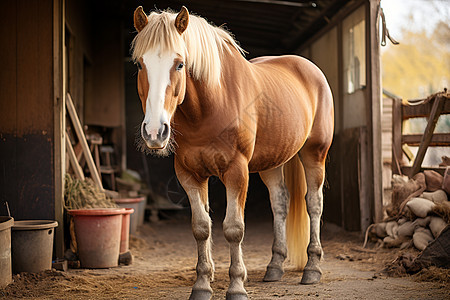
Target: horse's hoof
[236,296]
[273,274]
[200,295]
[311,277]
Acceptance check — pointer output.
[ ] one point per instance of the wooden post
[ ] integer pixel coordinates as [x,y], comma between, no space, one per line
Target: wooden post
[59,113]
[436,110]
[397,122]
[83,142]
[374,106]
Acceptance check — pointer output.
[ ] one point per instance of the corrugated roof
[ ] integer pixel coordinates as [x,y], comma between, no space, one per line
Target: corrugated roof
[261,26]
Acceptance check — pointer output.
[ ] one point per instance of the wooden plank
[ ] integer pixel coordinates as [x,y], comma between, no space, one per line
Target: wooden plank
[351,186]
[440,170]
[423,110]
[364,198]
[59,123]
[438,139]
[397,152]
[35,67]
[8,72]
[83,142]
[73,159]
[438,105]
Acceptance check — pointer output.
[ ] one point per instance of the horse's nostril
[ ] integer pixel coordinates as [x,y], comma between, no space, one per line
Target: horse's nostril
[165,131]
[144,131]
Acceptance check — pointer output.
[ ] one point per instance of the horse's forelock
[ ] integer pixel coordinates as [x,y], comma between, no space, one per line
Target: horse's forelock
[201,44]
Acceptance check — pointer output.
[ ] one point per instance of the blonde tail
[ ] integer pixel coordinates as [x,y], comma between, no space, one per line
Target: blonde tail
[297,223]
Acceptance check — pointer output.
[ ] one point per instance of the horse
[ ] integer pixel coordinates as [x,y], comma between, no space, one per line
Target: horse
[224,116]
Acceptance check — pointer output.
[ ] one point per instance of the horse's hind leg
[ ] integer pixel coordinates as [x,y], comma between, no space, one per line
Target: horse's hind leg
[313,159]
[201,227]
[279,200]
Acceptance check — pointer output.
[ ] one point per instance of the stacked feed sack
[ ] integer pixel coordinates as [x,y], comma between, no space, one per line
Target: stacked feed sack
[421,216]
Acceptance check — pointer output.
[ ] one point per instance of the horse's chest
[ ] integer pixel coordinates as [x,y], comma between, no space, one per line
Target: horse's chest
[208,160]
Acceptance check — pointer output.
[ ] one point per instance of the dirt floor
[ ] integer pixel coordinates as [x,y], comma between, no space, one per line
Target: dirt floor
[164,268]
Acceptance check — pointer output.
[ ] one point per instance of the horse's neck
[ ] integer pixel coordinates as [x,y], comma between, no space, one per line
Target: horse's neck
[200,100]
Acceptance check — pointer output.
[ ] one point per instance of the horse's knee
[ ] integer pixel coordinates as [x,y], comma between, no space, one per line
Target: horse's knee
[201,229]
[233,231]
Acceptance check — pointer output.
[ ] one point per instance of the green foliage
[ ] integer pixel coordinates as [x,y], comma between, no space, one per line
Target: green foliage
[420,65]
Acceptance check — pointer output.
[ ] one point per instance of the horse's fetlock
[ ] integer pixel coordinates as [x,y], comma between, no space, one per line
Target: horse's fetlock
[315,250]
[280,250]
[204,269]
[238,271]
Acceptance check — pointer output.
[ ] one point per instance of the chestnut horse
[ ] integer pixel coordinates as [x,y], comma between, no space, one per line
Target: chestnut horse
[225,116]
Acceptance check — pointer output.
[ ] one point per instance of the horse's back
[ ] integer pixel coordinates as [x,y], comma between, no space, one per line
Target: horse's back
[298,92]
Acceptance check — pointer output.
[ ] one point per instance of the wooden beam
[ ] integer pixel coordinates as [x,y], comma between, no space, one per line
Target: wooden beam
[397,152]
[373,70]
[59,121]
[436,110]
[440,170]
[423,110]
[73,159]
[438,139]
[82,139]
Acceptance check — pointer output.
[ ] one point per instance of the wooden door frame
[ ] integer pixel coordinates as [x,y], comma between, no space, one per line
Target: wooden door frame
[59,157]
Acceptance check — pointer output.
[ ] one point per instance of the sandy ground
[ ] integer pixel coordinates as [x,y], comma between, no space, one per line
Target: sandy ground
[164,268]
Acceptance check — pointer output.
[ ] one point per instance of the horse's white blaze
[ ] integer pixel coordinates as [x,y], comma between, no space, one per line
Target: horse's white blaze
[158,74]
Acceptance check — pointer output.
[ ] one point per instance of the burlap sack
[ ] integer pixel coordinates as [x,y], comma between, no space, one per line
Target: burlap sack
[401,193]
[406,229]
[391,229]
[438,196]
[446,181]
[420,207]
[436,225]
[422,237]
[380,230]
[433,180]
[401,221]
[421,222]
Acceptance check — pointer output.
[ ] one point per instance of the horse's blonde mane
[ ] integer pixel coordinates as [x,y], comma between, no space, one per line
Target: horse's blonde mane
[201,44]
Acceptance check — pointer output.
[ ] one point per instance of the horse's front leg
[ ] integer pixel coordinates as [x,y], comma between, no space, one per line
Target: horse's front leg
[236,183]
[197,191]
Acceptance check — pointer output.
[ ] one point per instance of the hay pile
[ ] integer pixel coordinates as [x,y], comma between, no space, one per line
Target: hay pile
[80,194]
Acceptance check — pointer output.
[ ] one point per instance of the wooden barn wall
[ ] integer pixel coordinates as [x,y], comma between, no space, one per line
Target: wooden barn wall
[26,108]
[79,52]
[105,105]
[345,193]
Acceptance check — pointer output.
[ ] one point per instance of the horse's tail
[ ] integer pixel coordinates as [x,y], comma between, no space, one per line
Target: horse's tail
[297,223]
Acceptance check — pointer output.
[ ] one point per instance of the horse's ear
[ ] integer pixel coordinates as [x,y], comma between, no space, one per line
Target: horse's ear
[182,20]
[140,19]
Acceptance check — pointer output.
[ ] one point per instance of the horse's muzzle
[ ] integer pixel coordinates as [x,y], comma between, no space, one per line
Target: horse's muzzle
[156,139]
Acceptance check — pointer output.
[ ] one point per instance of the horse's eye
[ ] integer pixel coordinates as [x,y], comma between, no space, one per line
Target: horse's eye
[139,65]
[180,66]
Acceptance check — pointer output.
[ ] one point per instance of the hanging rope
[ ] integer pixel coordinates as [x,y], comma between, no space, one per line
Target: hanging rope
[385,31]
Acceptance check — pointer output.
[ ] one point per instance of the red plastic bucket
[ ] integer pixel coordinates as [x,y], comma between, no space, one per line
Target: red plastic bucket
[98,234]
[125,233]
[131,203]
